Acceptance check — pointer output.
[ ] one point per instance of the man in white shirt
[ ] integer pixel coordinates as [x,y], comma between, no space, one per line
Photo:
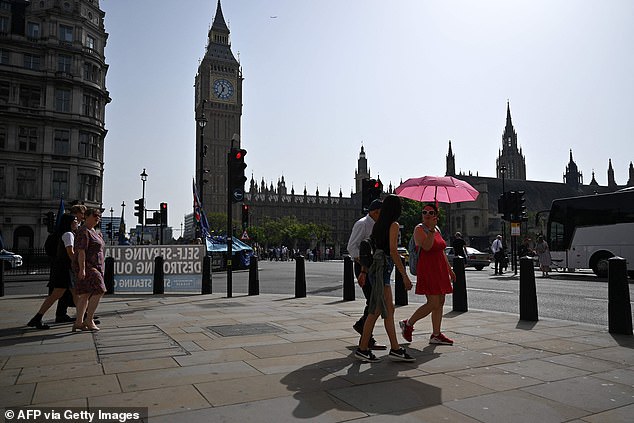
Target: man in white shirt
[361,230]
[497,248]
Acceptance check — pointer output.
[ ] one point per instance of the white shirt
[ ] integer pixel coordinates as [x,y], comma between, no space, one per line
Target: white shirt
[361,230]
[496,246]
[68,238]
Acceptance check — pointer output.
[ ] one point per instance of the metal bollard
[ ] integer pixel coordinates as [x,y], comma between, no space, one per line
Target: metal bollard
[1,279]
[206,282]
[619,306]
[528,292]
[108,275]
[300,277]
[460,285]
[348,279]
[158,287]
[400,293]
[254,278]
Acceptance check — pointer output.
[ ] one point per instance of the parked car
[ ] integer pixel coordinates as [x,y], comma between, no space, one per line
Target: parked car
[474,258]
[10,260]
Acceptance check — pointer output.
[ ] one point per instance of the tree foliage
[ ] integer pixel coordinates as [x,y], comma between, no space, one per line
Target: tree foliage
[288,231]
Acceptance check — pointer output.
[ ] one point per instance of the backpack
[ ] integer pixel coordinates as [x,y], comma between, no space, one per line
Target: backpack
[366,251]
[413,251]
[50,245]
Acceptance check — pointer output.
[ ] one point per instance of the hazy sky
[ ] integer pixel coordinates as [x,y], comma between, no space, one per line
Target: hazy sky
[400,77]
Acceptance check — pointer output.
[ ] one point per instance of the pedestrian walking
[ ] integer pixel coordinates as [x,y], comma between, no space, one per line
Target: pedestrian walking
[434,276]
[60,280]
[361,230]
[89,266]
[543,253]
[497,248]
[385,257]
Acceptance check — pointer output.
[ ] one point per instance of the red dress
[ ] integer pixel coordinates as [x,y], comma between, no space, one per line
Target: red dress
[432,273]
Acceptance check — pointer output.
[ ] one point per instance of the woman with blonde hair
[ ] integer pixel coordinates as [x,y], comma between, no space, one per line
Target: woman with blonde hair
[89,267]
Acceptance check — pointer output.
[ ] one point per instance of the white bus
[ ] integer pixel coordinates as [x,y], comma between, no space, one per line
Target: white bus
[584,232]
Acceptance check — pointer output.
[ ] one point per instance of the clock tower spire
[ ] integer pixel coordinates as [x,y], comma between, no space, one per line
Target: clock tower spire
[218,97]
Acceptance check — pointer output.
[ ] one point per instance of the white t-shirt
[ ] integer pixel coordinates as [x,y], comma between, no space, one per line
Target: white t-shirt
[68,238]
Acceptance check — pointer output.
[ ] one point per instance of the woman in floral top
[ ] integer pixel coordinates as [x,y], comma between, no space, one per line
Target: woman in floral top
[89,266]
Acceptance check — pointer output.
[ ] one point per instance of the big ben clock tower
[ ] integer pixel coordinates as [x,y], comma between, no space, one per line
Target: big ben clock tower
[218,101]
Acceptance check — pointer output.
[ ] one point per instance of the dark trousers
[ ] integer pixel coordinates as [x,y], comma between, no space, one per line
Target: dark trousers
[367,292]
[499,262]
[63,303]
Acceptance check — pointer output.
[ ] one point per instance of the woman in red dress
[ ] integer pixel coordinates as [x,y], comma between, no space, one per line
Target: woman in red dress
[434,276]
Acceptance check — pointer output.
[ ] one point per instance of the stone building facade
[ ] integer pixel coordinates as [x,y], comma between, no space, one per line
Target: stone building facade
[52,112]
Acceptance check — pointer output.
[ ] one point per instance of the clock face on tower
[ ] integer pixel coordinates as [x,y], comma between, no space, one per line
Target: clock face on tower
[222,89]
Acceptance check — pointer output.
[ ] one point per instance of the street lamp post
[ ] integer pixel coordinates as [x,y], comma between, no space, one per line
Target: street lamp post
[111,224]
[122,227]
[143,179]
[201,120]
[502,173]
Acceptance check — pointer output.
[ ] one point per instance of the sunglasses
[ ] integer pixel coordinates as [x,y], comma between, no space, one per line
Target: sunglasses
[429,212]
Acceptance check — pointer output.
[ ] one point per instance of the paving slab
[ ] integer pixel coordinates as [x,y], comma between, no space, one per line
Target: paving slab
[159,352]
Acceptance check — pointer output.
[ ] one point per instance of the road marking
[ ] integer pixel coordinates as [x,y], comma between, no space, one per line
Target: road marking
[596,299]
[490,290]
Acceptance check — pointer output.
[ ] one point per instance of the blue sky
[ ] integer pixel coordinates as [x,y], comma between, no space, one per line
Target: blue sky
[401,77]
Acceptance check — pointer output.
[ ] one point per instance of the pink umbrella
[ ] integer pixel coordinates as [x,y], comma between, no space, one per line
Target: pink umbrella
[444,189]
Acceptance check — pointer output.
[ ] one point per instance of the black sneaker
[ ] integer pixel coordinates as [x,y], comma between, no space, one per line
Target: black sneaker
[401,355]
[366,356]
[65,318]
[373,345]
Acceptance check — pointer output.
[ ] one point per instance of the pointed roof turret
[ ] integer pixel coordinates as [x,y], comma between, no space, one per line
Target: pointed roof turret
[611,180]
[218,44]
[219,21]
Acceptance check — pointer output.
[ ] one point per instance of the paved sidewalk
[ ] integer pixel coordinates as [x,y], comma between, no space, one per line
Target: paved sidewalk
[276,358]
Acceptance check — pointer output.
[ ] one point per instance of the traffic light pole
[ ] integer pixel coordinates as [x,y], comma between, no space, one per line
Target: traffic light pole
[229,232]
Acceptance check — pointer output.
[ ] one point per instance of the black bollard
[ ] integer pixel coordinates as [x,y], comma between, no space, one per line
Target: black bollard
[159,276]
[300,277]
[108,275]
[348,279]
[254,278]
[460,285]
[528,292]
[619,306]
[206,282]
[1,279]
[400,293]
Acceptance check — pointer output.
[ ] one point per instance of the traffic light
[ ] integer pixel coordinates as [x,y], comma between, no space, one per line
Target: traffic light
[520,208]
[376,189]
[109,229]
[371,189]
[505,206]
[163,211]
[245,216]
[236,174]
[139,209]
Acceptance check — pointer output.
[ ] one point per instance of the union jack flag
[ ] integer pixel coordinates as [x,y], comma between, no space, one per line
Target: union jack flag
[199,213]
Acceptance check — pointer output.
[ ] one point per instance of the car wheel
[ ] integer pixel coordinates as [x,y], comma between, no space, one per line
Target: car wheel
[479,267]
[599,263]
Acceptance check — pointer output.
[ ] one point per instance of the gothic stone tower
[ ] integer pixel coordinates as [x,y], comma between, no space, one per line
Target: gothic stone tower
[362,171]
[510,157]
[218,98]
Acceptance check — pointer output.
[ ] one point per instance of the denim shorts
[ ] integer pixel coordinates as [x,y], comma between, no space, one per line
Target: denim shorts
[387,272]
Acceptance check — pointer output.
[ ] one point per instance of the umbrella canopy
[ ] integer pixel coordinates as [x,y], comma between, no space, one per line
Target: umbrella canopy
[444,189]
